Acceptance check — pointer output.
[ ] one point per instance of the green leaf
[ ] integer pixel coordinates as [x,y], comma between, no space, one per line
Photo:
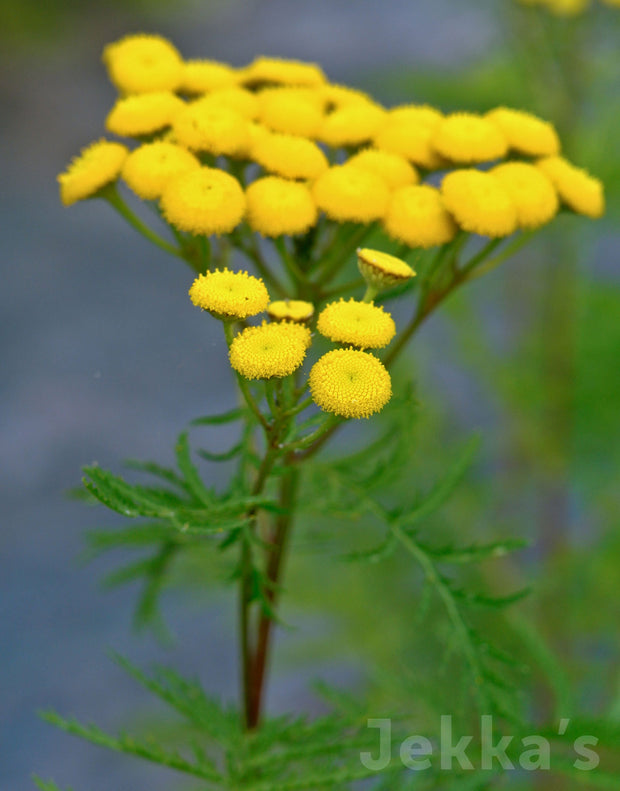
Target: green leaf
[132,746]
[47,785]
[165,473]
[215,420]
[476,552]
[207,455]
[442,490]
[191,474]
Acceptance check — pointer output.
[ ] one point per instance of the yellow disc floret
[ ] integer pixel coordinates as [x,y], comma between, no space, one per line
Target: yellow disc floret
[271,350]
[417,216]
[410,138]
[293,111]
[352,124]
[531,191]
[350,383]
[394,169]
[277,206]
[381,270]
[279,71]
[576,187]
[202,126]
[150,167]
[203,201]
[143,63]
[203,76]
[231,295]
[465,137]
[290,310]
[144,113]
[289,156]
[421,114]
[242,101]
[361,324]
[525,132]
[479,202]
[348,193]
[97,165]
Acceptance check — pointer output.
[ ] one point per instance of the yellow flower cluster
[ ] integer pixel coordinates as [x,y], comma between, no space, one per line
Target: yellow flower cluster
[195,123]
[567,7]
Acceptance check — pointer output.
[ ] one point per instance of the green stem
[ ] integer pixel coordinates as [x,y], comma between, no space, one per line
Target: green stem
[509,251]
[111,194]
[242,382]
[296,275]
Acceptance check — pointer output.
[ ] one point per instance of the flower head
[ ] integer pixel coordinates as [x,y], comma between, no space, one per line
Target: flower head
[202,76]
[421,114]
[292,111]
[360,324]
[97,165]
[143,114]
[290,310]
[289,156]
[279,71]
[350,383]
[352,124]
[417,216]
[393,168]
[341,95]
[203,201]
[576,187]
[231,295]
[348,193]
[202,126]
[242,101]
[381,270]
[277,206]
[270,350]
[532,193]
[465,137]
[150,167]
[525,132]
[143,63]
[479,202]
[410,138]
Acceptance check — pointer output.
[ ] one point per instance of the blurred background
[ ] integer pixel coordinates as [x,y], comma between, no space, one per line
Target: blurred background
[102,357]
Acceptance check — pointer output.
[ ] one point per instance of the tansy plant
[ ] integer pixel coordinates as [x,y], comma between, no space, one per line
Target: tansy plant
[304,210]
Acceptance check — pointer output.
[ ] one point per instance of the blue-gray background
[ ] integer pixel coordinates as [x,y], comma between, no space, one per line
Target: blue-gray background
[101,356]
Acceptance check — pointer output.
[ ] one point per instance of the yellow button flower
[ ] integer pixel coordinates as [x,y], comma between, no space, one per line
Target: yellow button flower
[232,295]
[203,201]
[394,169]
[143,114]
[465,137]
[347,193]
[532,192]
[150,167]
[280,71]
[409,138]
[293,111]
[271,350]
[143,63]
[350,383]
[417,216]
[352,124]
[479,203]
[421,114]
[202,126]
[203,76]
[242,101]
[276,206]
[289,156]
[97,165]
[525,132]
[381,270]
[336,95]
[290,309]
[359,324]
[576,187]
